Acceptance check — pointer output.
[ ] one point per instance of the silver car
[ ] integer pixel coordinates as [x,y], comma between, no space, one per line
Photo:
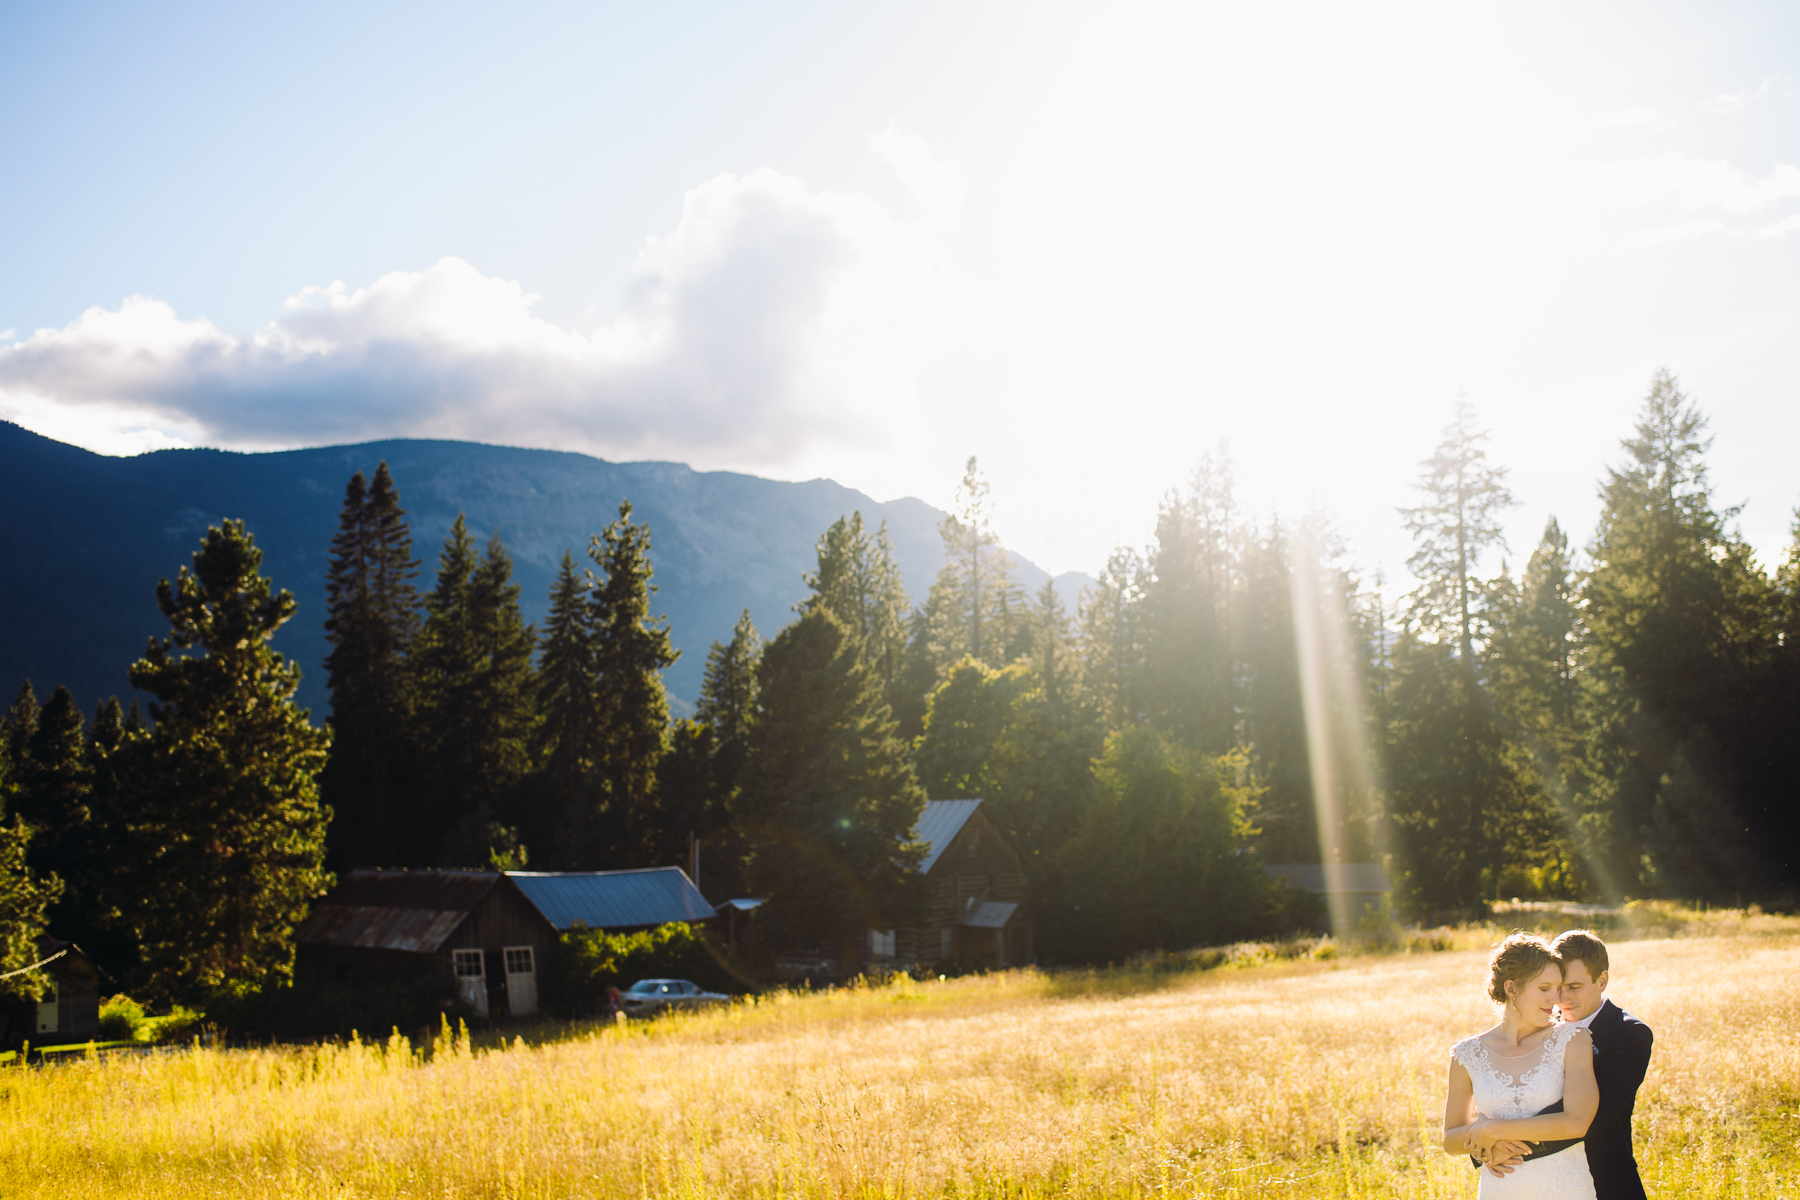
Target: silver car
[648,996]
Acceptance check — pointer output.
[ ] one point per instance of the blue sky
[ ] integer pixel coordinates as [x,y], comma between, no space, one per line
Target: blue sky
[1085,243]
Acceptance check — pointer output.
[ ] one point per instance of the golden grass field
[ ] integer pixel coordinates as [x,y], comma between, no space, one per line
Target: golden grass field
[1317,1077]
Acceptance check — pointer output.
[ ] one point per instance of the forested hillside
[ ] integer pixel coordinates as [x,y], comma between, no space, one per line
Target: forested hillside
[1615,720]
[93,534]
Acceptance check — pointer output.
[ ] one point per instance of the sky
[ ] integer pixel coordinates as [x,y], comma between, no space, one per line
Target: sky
[1084,243]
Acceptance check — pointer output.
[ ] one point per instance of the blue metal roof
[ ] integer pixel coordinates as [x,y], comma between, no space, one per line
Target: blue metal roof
[614,899]
[939,824]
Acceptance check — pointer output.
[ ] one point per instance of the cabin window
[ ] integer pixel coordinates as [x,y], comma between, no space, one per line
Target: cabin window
[518,960]
[468,964]
[881,943]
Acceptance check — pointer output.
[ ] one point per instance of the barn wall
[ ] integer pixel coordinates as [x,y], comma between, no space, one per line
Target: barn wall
[503,918]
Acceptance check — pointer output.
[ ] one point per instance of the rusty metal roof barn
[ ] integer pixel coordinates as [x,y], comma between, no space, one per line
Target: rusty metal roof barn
[614,899]
[939,824]
[396,910]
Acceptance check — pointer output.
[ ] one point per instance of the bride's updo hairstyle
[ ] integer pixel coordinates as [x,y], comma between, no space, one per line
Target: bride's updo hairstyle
[1521,958]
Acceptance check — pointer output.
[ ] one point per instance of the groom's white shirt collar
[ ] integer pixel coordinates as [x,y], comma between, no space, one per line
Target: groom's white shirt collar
[1588,1021]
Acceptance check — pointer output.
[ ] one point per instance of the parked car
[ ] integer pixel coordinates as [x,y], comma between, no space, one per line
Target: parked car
[648,996]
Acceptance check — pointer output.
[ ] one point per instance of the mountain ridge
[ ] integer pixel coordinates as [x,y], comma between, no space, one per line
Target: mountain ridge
[88,536]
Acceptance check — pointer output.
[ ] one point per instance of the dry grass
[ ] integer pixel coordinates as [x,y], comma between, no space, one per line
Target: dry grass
[1302,1077]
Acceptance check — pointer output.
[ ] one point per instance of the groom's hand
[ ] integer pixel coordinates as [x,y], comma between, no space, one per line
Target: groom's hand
[1504,1156]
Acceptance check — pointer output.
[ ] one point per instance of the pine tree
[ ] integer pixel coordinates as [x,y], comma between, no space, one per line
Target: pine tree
[974,608]
[828,802]
[372,618]
[1681,635]
[1162,858]
[1458,522]
[20,727]
[25,900]
[55,782]
[1053,659]
[1112,641]
[631,650]
[568,701]
[964,721]
[1459,809]
[1274,707]
[220,804]
[728,697]
[25,895]
[858,580]
[474,708]
[1188,678]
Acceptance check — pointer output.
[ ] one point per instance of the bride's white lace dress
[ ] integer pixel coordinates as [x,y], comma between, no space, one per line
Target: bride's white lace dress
[1503,1094]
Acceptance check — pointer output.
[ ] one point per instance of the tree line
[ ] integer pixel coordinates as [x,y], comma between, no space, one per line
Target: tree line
[1608,722]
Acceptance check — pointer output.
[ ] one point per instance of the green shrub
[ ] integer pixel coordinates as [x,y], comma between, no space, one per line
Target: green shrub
[122,1020]
[586,962]
[320,1008]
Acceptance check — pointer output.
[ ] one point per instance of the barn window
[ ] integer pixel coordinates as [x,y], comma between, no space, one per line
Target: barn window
[468,964]
[881,943]
[518,960]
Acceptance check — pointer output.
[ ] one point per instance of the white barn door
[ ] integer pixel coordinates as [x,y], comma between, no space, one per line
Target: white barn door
[521,981]
[471,980]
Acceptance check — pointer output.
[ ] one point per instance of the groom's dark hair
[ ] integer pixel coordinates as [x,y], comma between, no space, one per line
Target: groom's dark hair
[1581,944]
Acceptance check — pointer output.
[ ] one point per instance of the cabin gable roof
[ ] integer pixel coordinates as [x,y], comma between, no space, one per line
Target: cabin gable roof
[614,899]
[938,826]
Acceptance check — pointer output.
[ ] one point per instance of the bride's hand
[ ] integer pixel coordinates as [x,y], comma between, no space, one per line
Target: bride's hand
[1482,1134]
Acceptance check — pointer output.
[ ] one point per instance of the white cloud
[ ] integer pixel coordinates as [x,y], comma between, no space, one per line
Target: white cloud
[1635,117]
[1693,184]
[1779,229]
[771,319]
[937,185]
[1732,103]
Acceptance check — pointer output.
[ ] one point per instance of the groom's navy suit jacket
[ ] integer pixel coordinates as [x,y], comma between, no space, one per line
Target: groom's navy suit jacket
[1621,1056]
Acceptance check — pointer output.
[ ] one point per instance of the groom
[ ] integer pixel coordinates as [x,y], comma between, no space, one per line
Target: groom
[1621,1056]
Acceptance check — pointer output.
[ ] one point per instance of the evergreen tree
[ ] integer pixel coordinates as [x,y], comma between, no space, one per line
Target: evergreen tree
[1053,658]
[974,608]
[828,802]
[25,895]
[25,900]
[1188,685]
[1274,707]
[568,736]
[20,728]
[220,803]
[631,650]
[1457,523]
[1681,641]
[728,698]
[698,778]
[995,735]
[474,708]
[1536,681]
[964,720]
[1161,860]
[1112,642]
[1459,809]
[858,580]
[371,621]
[55,782]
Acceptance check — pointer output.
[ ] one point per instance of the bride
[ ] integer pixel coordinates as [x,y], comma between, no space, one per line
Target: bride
[1502,1080]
